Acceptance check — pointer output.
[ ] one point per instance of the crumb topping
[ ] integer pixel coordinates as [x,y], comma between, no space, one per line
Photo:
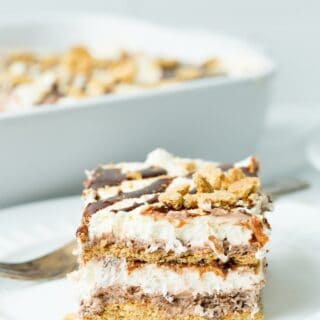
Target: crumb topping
[214,188]
[31,78]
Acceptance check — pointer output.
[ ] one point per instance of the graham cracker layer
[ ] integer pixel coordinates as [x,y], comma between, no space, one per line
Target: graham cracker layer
[134,311]
[241,255]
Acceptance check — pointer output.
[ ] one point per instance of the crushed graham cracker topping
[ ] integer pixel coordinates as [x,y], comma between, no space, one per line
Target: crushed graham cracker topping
[29,78]
[214,188]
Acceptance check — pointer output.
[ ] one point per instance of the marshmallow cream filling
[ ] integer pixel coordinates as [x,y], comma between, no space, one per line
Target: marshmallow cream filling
[153,279]
[144,228]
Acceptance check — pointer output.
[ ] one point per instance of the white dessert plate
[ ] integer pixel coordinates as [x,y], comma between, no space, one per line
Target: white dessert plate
[293,285]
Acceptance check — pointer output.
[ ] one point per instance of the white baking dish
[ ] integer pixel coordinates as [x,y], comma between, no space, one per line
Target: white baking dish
[44,152]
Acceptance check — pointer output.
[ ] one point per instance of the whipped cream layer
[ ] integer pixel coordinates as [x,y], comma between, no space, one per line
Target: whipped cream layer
[145,228]
[153,279]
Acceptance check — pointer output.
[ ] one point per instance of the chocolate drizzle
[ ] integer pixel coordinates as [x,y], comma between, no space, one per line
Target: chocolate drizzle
[136,205]
[225,166]
[113,176]
[157,186]
[152,172]
[105,177]
[247,171]
[93,207]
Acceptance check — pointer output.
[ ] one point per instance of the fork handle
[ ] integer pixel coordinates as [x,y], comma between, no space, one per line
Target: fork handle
[8,271]
[285,186]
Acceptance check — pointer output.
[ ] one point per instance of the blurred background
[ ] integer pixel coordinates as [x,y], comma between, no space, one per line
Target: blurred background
[287,30]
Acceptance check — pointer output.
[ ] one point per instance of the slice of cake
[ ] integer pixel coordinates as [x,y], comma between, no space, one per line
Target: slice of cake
[172,238]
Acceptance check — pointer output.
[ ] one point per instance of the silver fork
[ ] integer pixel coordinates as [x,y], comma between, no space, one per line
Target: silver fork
[61,261]
[50,266]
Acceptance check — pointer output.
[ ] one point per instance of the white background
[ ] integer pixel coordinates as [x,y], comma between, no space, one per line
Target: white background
[290,29]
